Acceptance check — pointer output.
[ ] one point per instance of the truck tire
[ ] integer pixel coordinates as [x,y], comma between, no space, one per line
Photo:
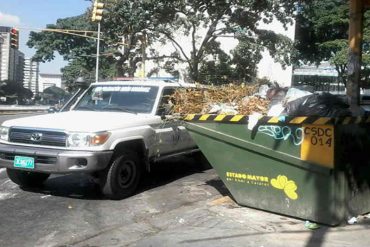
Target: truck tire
[122,177]
[26,178]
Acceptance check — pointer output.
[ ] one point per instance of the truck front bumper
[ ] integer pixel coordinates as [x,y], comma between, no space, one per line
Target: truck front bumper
[56,160]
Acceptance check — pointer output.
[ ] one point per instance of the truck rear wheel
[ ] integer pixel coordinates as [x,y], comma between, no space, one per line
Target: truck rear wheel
[123,176]
[26,178]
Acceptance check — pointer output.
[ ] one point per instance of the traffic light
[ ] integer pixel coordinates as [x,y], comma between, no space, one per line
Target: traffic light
[97,13]
[14,39]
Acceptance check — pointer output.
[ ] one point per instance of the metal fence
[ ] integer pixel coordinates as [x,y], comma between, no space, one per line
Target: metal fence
[319,83]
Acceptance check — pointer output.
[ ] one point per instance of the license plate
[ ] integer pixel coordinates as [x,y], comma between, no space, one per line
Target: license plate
[24,162]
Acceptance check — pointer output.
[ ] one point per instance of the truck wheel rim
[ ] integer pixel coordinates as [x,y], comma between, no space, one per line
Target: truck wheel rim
[126,174]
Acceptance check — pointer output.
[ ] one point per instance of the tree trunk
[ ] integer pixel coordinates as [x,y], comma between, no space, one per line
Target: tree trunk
[119,68]
[194,69]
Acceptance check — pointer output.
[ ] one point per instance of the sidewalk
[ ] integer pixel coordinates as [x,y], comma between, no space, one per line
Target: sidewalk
[16,109]
[197,211]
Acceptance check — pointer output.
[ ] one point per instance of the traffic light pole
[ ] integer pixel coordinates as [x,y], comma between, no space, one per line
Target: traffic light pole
[97,54]
[97,15]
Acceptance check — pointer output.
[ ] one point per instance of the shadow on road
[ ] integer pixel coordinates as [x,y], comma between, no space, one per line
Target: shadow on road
[81,186]
[77,186]
[220,187]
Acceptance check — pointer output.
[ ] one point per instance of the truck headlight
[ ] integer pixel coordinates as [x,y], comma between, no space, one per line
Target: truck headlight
[79,139]
[4,133]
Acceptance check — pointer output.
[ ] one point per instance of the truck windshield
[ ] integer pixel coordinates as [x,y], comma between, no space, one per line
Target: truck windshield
[125,98]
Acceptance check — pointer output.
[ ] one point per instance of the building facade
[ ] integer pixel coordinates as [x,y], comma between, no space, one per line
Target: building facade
[31,75]
[322,77]
[11,59]
[49,80]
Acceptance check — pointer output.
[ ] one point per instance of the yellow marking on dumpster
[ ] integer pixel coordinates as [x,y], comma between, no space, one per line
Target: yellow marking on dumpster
[298,120]
[318,144]
[347,120]
[273,120]
[189,116]
[204,117]
[236,118]
[321,120]
[220,117]
[283,183]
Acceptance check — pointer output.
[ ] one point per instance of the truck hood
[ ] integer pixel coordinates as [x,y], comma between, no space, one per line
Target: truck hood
[84,121]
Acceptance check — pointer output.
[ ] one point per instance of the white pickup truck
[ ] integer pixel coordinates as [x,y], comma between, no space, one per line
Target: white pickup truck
[114,131]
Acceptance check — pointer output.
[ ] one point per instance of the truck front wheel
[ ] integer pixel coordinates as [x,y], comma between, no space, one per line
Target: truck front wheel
[27,179]
[122,177]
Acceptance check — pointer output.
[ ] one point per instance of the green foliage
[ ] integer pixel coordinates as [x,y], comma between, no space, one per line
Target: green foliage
[14,90]
[75,49]
[218,70]
[206,21]
[322,35]
[131,28]
[246,56]
[69,46]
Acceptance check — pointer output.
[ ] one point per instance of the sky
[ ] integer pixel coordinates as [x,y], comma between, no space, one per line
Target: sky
[30,15]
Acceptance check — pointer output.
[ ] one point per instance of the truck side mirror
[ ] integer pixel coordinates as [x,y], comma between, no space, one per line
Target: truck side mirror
[163,115]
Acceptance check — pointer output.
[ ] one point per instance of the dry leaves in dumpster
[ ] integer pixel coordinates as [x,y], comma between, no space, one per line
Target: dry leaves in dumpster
[230,99]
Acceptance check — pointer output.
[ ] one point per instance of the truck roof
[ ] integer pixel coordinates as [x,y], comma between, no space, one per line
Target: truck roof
[146,82]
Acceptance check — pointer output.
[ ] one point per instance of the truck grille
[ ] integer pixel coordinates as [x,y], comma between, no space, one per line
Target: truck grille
[38,158]
[38,137]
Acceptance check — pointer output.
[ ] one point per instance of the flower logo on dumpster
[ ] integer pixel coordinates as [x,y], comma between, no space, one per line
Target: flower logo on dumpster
[289,186]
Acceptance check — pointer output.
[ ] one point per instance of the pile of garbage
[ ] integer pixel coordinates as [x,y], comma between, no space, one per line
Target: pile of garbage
[226,99]
[296,102]
[251,99]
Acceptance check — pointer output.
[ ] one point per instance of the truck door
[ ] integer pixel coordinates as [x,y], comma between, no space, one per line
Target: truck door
[171,136]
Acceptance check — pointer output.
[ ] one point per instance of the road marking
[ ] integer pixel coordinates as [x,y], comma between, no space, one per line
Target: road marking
[4,196]
[46,196]
[47,240]
[6,181]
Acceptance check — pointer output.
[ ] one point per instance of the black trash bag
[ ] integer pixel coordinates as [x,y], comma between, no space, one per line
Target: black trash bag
[320,105]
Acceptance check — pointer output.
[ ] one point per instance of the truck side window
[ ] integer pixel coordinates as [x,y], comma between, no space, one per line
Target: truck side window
[165,105]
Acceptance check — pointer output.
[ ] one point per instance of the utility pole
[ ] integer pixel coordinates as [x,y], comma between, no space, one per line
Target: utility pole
[143,47]
[1,48]
[97,15]
[97,54]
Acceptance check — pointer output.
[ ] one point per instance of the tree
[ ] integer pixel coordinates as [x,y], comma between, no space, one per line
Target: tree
[131,28]
[217,70]
[205,21]
[322,35]
[69,46]
[79,51]
[14,90]
[246,56]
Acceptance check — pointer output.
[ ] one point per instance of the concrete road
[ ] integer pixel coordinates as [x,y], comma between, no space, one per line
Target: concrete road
[177,205]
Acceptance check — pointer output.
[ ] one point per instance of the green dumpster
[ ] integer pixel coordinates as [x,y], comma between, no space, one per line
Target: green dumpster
[314,168]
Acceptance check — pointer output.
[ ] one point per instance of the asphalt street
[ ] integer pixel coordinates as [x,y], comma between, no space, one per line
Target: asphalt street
[177,205]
